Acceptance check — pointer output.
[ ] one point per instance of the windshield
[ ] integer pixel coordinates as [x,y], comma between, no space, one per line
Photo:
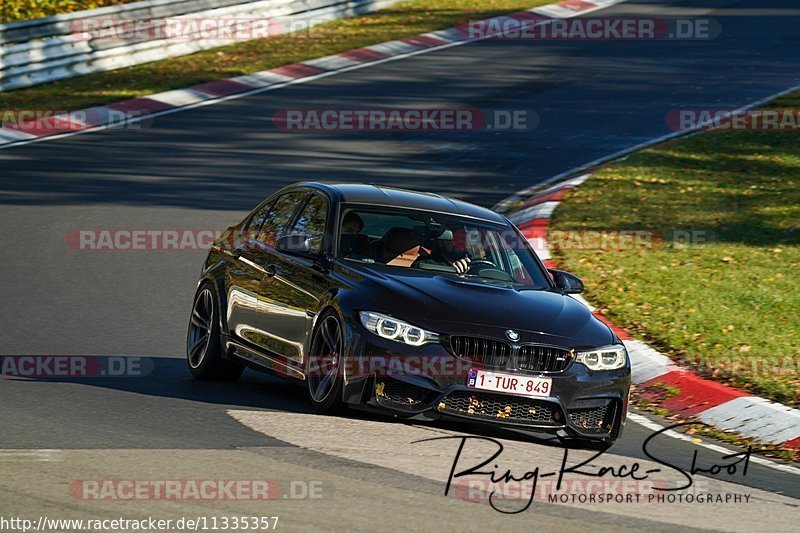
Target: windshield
[448,244]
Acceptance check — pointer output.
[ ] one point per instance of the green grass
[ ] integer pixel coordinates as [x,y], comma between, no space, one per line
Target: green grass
[13,10]
[404,19]
[727,308]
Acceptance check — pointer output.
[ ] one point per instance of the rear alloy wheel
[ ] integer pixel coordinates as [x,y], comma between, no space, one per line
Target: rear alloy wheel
[203,346]
[323,365]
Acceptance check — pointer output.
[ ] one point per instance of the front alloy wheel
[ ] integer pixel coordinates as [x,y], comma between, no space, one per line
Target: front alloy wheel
[203,346]
[323,365]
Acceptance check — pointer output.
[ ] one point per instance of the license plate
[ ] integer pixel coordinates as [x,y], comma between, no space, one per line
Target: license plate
[510,383]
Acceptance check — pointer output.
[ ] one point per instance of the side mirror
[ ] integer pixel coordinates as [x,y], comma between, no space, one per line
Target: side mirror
[297,243]
[568,283]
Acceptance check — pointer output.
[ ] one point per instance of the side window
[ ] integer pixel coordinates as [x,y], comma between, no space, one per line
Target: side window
[254,226]
[312,220]
[279,217]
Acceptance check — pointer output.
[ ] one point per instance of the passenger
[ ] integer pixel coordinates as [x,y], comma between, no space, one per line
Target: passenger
[353,243]
[400,247]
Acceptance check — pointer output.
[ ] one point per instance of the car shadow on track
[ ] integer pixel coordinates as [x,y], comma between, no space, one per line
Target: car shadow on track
[168,377]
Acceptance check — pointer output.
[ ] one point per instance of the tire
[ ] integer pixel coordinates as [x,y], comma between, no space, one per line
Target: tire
[203,343]
[324,380]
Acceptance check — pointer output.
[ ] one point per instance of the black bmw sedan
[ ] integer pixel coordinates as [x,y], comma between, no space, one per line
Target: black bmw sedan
[409,303]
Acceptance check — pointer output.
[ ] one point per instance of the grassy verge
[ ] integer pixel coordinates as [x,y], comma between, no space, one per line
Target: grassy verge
[404,19]
[728,307]
[13,10]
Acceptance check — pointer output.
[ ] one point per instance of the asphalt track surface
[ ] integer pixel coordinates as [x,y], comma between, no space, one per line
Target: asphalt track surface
[205,168]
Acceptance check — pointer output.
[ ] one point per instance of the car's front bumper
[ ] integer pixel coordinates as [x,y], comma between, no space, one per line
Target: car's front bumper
[429,381]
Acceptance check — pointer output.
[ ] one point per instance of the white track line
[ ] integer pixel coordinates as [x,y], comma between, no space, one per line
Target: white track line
[655,426]
[31,455]
[646,144]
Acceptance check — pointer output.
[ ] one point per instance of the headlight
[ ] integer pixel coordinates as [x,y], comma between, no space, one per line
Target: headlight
[606,358]
[396,330]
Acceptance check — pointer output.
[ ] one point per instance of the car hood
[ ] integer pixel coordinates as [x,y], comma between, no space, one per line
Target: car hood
[448,304]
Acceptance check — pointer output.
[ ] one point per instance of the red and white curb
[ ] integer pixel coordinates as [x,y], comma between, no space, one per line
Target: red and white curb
[708,401]
[127,112]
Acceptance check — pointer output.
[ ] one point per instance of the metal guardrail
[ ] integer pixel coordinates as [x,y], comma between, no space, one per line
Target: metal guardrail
[54,48]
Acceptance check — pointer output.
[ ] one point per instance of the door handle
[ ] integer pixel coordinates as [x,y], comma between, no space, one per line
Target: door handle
[270,270]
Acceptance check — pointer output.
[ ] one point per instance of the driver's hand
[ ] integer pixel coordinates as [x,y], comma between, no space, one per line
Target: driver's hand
[462,265]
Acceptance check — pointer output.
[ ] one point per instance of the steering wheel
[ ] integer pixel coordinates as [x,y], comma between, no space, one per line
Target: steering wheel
[479,264]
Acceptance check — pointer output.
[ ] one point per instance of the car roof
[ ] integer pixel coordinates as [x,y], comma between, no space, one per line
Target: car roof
[363,193]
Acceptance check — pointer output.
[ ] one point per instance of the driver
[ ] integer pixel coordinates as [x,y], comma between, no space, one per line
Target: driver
[444,251]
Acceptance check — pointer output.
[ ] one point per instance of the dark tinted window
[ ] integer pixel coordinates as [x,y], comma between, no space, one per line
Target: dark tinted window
[377,224]
[254,226]
[279,217]
[311,221]
[420,240]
